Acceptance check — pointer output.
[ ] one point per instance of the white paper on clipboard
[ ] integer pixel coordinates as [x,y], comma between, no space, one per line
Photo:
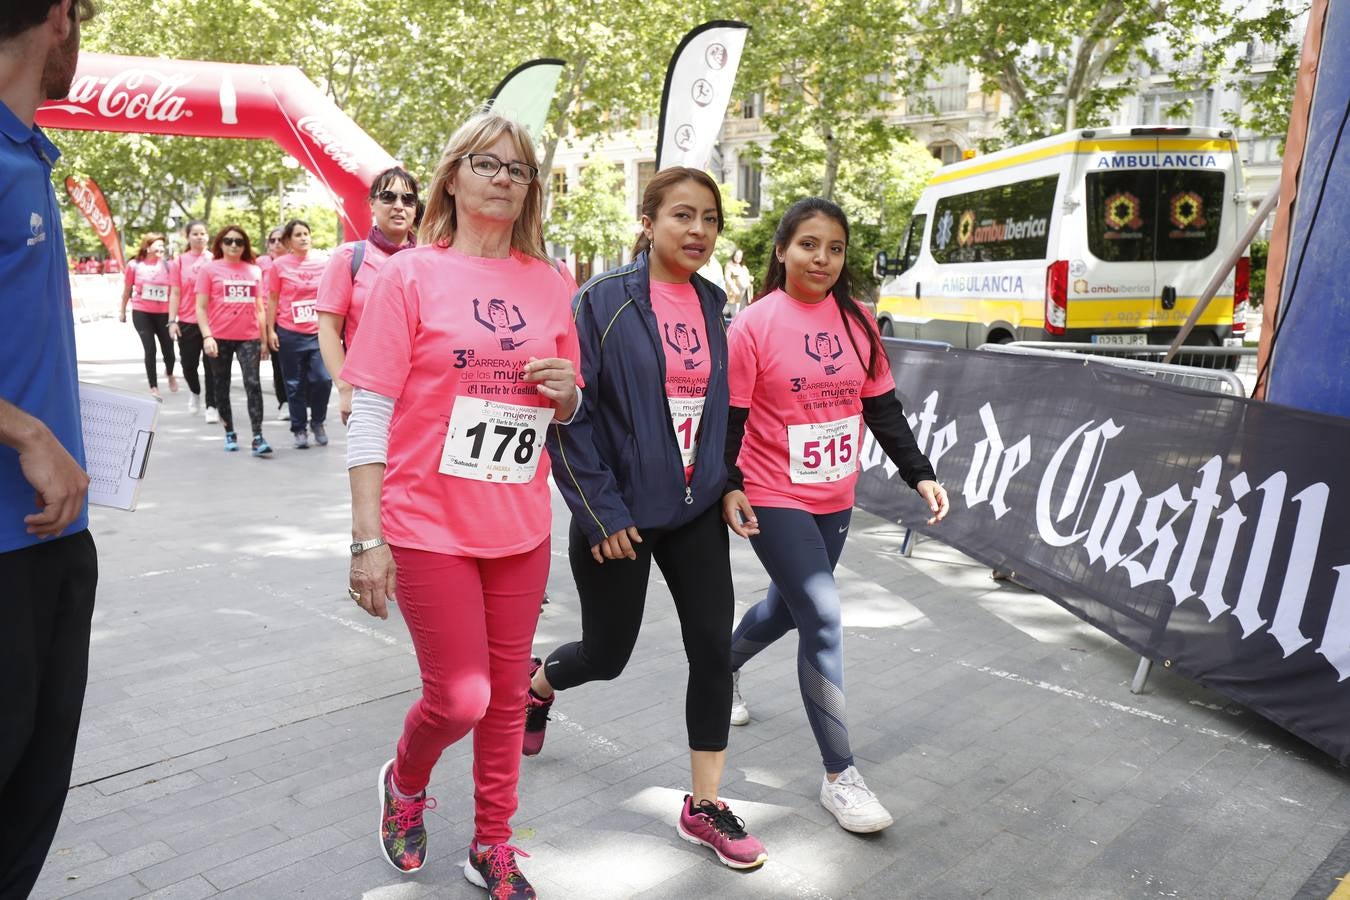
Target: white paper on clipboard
[119,430]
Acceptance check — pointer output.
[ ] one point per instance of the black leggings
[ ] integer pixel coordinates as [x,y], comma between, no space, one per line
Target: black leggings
[697,567]
[190,346]
[248,353]
[150,326]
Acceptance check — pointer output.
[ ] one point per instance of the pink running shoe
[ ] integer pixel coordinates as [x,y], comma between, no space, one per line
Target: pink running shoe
[536,716]
[403,837]
[714,825]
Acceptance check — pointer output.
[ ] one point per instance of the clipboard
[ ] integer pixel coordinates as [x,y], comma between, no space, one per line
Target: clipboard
[119,432]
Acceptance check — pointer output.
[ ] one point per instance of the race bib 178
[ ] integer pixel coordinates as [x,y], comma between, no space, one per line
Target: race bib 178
[490,441]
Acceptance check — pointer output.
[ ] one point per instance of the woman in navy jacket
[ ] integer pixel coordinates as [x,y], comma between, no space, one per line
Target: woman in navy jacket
[642,469]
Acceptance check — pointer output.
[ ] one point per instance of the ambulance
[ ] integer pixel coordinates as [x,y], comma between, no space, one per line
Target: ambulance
[1104,236]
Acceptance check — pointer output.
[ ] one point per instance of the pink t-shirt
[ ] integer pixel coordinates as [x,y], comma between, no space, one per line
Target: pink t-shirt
[793,365]
[183,272]
[339,294]
[296,281]
[679,321]
[264,262]
[448,335]
[233,299]
[149,285]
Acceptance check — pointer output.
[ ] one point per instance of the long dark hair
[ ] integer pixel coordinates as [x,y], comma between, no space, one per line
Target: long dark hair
[842,290]
[217,252]
[655,195]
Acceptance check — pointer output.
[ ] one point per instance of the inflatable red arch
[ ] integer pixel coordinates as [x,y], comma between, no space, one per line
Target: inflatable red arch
[208,99]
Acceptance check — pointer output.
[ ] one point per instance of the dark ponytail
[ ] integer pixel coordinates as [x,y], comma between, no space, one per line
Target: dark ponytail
[776,277]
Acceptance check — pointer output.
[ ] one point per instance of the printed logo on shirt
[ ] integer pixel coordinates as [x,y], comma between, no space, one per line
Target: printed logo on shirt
[499,322]
[824,348]
[685,340]
[35,227]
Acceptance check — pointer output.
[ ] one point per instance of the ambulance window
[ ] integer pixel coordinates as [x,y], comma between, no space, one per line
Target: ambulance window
[1191,213]
[913,241]
[998,224]
[1120,214]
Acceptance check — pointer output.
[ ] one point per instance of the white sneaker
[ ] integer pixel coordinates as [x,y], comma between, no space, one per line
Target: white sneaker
[283,413]
[194,404]
[740,713]
[212,417]
[851,802]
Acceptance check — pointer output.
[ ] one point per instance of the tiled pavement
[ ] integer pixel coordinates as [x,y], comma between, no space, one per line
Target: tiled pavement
[239,707]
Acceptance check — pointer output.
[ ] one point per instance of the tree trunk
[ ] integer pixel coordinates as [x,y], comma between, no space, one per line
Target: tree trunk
[209,196]
[831,166]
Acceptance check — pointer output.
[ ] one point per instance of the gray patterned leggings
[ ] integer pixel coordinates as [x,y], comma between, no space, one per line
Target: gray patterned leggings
[248,353]
[799,550]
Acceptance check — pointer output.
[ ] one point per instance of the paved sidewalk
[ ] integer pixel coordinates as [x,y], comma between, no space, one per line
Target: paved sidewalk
[239,707]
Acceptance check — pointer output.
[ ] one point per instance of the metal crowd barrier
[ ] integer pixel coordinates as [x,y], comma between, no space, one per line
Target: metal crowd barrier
[1224,370]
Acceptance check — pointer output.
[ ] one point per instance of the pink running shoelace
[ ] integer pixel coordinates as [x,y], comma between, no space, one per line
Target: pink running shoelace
[410,811]
[501,859]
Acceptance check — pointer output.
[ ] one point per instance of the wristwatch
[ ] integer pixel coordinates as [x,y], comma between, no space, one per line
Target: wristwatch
[359,547]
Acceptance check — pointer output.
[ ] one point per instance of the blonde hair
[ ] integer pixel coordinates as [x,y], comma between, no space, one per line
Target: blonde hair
[476,135]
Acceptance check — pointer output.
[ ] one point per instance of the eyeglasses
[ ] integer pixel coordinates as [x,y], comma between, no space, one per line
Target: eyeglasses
[389,198]
[488,166]
[232,242]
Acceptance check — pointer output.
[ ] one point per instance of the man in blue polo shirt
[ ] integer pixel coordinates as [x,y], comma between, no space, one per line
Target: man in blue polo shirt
[48,564]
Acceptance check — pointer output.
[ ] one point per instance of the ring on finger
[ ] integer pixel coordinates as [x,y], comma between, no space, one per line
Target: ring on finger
[354,594]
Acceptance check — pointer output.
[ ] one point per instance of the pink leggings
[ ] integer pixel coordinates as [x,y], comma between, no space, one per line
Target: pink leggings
[472,622]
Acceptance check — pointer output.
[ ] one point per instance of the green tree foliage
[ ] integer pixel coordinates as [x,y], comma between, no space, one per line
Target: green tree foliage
[876,195]
[824,68]
[592,217]
[1091,54]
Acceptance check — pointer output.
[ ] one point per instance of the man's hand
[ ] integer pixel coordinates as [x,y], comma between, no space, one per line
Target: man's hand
[59,484]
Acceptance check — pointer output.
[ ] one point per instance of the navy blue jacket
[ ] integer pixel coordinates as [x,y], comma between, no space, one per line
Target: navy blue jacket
[617,463]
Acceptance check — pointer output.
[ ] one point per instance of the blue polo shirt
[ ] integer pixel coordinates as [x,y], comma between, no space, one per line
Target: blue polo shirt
[38,370]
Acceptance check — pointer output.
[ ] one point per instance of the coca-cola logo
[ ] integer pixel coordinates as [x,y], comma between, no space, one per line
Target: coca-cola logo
[133,94]
[83,197]
[330,145]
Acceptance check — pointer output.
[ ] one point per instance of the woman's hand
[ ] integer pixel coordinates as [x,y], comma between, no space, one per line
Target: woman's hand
[209,347]
[618,545]
[935,495]
[372,577]
[344,400]
[122,315]
[739,514]
[556,380]
[273,341]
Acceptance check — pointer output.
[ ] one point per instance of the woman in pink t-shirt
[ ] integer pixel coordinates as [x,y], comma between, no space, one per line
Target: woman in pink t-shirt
[445,451]
[342,292]
[807,370]
[293,332]
[147,284]
[230,315]
[183,316]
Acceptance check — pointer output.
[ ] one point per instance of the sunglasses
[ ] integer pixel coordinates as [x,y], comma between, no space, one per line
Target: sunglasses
[274,240]
[388,198]
[232,242]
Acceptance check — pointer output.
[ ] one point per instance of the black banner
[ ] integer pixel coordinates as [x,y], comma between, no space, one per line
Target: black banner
[1205,531]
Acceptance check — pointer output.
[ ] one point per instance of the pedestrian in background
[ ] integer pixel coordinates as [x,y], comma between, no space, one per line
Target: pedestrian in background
[352,270]
[146,286]
[48,562]
[293,332]
[231,314]
[183,317]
